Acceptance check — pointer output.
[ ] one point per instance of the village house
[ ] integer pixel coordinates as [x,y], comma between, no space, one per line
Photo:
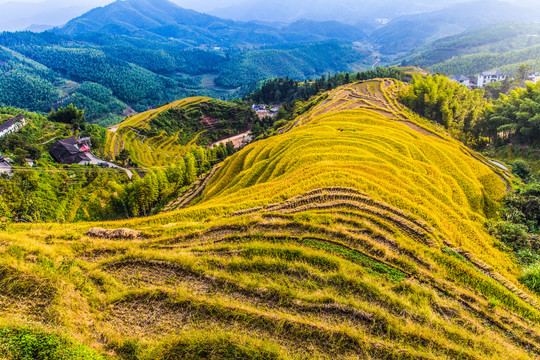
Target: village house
[489,77]
[462,80]
[5,165]
[12,125]
[71,151]
[263,110]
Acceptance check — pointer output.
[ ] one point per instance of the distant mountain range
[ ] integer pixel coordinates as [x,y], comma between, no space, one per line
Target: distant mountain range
[158,19]
[405,33]
[348,11]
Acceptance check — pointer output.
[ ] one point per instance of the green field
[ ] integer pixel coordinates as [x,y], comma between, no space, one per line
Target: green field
[357,232]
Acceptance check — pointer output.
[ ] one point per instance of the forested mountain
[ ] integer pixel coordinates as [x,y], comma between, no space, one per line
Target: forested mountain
[503,46]
[138,54]
[496,38]
[162,19]
[406,33]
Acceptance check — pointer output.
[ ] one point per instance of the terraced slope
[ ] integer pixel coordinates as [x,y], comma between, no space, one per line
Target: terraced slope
[154,151]
[357,233]
[159,137]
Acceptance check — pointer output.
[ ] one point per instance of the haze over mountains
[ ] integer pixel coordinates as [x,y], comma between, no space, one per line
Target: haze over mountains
[19,15]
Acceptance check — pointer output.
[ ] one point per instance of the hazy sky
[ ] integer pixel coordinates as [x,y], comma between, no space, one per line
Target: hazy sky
[206,4]
[14,15]
[210,4]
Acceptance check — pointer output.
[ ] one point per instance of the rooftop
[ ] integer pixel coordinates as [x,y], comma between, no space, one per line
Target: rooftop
[492,73]
[7,124]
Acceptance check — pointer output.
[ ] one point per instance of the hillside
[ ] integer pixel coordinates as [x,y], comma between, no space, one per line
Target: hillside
[406,33]
[159,137]
[502,46]
[358,232]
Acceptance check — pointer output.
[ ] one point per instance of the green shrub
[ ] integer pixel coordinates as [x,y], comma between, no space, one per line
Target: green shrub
[220,345]
[513,235]
[531,277]
[28,344]
[521,169]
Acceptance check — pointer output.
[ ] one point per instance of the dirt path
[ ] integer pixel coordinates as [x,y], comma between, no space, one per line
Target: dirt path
[238,140]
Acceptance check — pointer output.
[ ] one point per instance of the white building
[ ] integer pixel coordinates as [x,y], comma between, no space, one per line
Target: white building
[12,125]
[489,77]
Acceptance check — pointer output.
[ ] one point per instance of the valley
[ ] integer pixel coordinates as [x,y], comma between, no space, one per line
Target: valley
[357,232]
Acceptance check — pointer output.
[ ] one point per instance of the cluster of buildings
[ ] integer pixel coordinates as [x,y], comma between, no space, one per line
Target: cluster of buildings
[534,77]
[263,110]
[488,77]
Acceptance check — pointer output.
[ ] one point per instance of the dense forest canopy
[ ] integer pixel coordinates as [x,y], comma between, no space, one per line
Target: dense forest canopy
[110,74]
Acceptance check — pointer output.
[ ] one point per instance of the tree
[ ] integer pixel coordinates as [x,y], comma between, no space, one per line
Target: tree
[521,169]
[257,130]
[191,168]
[123,156]
[69,115]
[230,148]
[177,174]
[446,102]
[522,73]
[515,117]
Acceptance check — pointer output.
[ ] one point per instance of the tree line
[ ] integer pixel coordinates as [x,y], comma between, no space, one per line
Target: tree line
[286,90]
[470,117]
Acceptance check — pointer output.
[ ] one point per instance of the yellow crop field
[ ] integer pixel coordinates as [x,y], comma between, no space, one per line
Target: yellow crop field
[160,150]
[356,233]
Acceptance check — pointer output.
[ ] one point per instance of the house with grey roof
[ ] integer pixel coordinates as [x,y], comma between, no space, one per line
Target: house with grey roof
[462,80]
[12,125]
[489,77]
[70,151]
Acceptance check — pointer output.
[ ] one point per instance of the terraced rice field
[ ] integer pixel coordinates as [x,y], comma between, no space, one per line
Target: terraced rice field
[357,234]
[160,150]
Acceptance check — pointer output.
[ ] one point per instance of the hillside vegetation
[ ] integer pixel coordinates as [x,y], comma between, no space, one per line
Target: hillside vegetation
[162,136]
[503,46]
[357,232]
